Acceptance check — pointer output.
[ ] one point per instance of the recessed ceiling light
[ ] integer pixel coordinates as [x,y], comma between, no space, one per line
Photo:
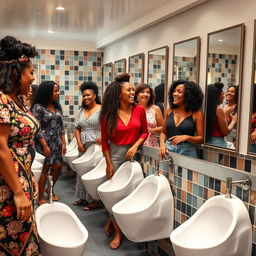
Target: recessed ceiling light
[50,31]
[60,8]
[220,40]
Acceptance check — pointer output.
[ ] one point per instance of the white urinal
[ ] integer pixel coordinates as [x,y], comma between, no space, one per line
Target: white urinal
[147,213]
[70,147]
[220,227]
[60,231]
[71,156]
[36,168]
[39,157]
[125,180]
[88,160]
[94,178]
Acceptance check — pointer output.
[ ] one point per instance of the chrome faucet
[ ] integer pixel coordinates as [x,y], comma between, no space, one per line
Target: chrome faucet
[245,184]
[169,160]
[50,180]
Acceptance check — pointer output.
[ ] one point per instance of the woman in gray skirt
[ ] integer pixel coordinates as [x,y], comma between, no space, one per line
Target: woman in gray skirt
[123,130]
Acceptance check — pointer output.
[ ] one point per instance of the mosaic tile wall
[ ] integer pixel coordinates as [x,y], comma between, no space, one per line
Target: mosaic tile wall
[185,68]
[222,68]
[119,67]
[136,69]
[107,74]
[156,69]
[191,189]
[70,69]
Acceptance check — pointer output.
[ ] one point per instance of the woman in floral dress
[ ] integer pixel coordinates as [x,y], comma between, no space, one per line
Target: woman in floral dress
[18,186]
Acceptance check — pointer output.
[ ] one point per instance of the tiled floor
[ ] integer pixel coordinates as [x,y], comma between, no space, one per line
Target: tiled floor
[94,221]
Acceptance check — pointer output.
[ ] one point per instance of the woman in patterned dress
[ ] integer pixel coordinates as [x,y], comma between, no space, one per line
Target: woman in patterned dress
[18,186]
[50,141]
[87,133]
[144,95]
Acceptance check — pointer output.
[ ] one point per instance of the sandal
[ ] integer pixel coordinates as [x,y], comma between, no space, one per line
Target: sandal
[91,206]
[115,244]
[40,202]
[79,202]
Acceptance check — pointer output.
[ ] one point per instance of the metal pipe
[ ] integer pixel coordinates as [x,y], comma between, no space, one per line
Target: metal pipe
[50,180]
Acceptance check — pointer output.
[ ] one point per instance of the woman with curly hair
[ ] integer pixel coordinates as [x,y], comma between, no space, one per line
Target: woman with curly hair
[50,141]
[183,124]
[123,130]
[217,126]
[18,186]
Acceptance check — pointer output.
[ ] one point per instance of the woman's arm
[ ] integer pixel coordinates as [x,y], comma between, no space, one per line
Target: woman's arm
[81,147]
[9,175]
[110,169]
[162,147]
[159,120]
[64,146]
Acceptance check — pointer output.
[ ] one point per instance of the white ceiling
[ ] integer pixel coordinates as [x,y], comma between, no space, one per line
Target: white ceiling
[99,21]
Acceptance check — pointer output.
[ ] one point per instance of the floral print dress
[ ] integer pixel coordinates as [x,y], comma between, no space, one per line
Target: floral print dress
[17,237]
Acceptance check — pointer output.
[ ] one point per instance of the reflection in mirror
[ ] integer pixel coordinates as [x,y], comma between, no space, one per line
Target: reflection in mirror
[136,69]
[119,67]
[186,56]
[157,76]
[224,76]
[107,71]
[252,126]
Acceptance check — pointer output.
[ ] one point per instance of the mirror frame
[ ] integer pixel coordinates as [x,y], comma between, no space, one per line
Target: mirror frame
[142,68]
[111,63]
[125,66]
[252,88]
[198,50]
[166,47]
[240,80]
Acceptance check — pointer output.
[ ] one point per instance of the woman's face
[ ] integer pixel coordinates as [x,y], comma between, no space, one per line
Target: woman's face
[55,93]
[127,93]
[88,97]
[179,95]
[230,94]
[143,96]
[27,78]
[222,96]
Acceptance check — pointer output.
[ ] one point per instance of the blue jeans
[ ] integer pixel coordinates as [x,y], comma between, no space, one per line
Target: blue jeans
[218,141]
[183,148]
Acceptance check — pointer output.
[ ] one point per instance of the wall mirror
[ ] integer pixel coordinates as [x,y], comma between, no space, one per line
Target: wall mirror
[107,73]
[186,59]
[119,67]
[136,68]
[252,125]
[223,87]
[157,76]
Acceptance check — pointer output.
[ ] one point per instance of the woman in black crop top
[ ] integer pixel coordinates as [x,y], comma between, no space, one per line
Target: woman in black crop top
[183,123]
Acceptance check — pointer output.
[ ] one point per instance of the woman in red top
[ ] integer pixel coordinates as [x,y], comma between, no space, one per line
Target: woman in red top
[123,130]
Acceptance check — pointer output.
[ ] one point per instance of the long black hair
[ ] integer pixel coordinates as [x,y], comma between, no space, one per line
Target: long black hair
[111,102]
[193,95]
[213,100]
[14,58]
[44,95]
[90,86]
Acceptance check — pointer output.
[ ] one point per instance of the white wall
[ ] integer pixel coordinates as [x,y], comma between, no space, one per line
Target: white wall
[198,21]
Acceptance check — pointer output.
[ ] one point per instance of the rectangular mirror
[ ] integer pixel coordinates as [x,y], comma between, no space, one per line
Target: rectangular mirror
[136,69]
[107,73]
[252,125]
[119,67]
[186,59]
[223,87]
[157,75]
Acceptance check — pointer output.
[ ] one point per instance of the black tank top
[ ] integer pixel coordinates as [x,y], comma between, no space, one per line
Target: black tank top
[186,127]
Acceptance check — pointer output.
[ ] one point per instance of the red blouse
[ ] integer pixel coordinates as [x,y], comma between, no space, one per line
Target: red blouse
[126,135]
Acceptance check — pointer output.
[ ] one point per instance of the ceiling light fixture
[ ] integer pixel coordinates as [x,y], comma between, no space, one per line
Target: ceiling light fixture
[50,31]
[60,8]
[220,40]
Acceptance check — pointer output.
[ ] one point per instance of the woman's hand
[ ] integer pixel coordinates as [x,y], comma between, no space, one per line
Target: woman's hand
[98,141]
[23,206]
[131,152]
[35,187]
[162,151]
[81,147]
[64,149]
[46,151]
[253,137]
[233,118]
[175,140]
[110,170]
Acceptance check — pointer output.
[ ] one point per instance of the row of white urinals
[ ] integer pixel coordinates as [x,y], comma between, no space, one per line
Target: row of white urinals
[144,210]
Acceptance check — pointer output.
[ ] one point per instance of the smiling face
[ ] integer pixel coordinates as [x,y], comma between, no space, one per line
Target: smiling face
[143,96]
[179,95]
[55,93]
[27,78]
[88,97]
[127,93]
[230,94]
